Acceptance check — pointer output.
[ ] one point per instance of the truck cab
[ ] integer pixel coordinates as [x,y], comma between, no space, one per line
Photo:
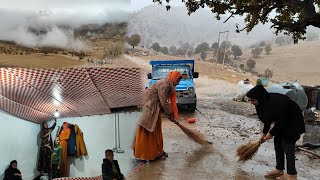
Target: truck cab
[186,93]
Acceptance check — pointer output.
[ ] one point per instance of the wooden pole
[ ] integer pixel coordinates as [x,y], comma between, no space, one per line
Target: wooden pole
[225,49]
[310,152]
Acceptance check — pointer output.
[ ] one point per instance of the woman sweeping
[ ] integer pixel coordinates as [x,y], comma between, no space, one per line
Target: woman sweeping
[161,95]
[64,136]
[44,163]
[288,126]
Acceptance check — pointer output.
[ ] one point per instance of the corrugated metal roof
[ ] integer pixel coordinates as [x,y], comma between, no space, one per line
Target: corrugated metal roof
[35,94]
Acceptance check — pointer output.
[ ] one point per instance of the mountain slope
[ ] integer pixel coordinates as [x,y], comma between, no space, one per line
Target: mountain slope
[170,27]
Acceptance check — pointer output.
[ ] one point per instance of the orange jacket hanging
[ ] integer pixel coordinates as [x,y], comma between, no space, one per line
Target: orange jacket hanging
[64,136]
[81,147]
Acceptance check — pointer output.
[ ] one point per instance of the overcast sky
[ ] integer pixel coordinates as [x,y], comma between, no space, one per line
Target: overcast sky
[139,4]
[68,4]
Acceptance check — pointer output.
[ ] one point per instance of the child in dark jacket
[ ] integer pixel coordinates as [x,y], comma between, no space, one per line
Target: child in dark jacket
[110,167]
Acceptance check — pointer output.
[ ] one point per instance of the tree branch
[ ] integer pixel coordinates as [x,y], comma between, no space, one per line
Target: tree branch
[296,26]
[239,30]
[228,18]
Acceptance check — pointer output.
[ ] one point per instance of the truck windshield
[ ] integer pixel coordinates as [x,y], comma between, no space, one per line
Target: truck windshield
[162,71]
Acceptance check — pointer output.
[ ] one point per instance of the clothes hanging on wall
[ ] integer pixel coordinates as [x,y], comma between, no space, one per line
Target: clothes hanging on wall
[81,147]
[72,148]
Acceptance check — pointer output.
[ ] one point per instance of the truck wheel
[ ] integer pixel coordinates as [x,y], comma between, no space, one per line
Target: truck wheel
[192,107]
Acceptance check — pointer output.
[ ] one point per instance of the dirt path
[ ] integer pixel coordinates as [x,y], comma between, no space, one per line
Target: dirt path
[140,62]
[227,124]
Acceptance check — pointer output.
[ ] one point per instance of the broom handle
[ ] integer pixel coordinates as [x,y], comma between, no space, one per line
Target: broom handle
[178,124]
[261,141]
[174,121]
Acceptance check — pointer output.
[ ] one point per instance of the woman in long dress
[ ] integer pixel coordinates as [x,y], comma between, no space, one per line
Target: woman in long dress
[64,136]
[44,163]
[148,143]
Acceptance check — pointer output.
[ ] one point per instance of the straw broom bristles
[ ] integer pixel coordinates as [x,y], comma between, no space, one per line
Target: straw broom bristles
[197,137]
[248,150]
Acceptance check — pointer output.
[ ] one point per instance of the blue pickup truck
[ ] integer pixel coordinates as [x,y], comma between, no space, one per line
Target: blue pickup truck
[186,94]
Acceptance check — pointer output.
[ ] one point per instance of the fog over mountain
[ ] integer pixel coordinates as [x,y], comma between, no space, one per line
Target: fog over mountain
[157,24]
[36,23]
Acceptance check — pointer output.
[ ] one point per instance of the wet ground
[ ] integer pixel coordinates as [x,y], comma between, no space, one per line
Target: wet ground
[227,124]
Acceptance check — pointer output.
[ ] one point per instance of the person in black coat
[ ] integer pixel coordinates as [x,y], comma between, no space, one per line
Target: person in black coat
[110,167]
[44,162]
[12,173]
[288,126]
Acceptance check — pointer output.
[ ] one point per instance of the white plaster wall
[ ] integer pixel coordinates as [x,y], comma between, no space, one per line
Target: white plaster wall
[18,141]
[98,133]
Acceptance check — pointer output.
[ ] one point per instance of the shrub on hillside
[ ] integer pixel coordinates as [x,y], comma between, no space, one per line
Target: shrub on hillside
[268,48]
[251,64]
[203,55]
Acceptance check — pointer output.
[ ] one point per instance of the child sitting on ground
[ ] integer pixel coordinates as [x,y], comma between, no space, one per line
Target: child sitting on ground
[110,167]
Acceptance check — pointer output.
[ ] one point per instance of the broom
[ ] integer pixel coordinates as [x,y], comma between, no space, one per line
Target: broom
[196,137]
[247,151]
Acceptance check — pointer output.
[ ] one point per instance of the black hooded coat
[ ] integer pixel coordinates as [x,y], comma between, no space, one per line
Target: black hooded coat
[9,173]
[278,109]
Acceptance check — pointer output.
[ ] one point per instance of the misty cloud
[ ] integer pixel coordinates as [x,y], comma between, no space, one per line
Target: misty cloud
[46,23]
[139,4]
